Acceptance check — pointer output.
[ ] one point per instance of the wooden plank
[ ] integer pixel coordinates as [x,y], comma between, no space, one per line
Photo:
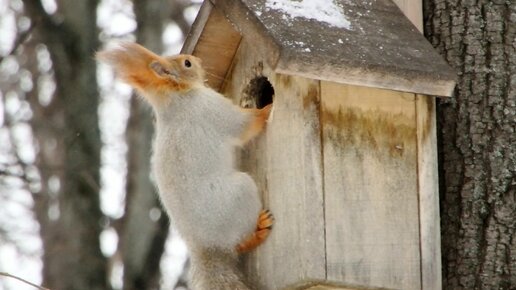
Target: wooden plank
[363,76]
[369,50]
[428,187]
[326,285]
[323,287]
[249,24]
[311,49]
[286,164]
[370,182]
[428,183]
[216,45]
[413,9]
[197,27]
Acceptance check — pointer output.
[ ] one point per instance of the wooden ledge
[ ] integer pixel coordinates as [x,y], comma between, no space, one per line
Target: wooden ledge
[326,285]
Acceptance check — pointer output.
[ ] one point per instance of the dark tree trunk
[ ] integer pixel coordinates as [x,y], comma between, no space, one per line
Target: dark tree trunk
[477,141]
[68,135]
[143,239]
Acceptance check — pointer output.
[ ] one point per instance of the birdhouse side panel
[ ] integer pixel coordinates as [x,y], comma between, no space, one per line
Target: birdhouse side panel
[215,40]
[428,184]
[286,163]
[370,185]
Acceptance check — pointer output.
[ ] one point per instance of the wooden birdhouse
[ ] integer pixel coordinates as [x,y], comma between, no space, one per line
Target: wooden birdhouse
[348,163]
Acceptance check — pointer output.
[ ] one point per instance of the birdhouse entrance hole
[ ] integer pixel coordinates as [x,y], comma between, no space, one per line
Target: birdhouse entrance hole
[261,91]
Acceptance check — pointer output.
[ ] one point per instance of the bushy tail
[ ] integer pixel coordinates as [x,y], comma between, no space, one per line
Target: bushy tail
[216,269]
[131,62]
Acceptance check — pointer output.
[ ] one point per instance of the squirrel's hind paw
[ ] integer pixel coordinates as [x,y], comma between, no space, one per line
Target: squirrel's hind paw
[265,220]
[263,229]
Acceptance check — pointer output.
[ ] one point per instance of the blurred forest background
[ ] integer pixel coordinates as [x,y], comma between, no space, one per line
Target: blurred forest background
[76,203]
[75,192]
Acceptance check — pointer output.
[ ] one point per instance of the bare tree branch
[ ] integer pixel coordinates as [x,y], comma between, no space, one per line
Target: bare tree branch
[23,280]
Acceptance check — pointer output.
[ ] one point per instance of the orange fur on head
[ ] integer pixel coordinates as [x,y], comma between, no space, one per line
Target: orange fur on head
[132,63]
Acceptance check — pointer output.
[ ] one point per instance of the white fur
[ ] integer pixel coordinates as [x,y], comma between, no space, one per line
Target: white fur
[211,203]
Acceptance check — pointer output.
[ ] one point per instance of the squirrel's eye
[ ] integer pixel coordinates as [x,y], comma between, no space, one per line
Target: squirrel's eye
[188,63]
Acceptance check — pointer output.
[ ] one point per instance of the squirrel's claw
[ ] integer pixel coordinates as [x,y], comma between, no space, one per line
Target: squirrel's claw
[263,229]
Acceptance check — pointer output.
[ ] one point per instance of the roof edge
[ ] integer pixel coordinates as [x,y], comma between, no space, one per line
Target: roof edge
[195,32]
[370,78]
[250,26]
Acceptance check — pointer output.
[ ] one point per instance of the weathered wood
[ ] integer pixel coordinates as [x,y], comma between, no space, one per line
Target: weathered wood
[348,171]
[427,172]
[368,54]
[287,172]
[370,184]
[197,27]
[216,44]
[326,285]
[413,10]
[428,184]
[362,76]
[248,24]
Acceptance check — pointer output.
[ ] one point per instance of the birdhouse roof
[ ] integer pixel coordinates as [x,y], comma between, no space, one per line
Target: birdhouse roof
[367,43]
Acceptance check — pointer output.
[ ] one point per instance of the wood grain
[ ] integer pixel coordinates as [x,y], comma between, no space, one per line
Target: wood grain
[382,48]
[370,182]
[369,53]
[197,27]
[428,187]
[329,285]
[428,181]
[286,164]
[348,171]
[413,10]
[216,45]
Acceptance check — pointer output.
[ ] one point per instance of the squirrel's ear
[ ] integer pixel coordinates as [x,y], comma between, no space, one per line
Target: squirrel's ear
[158,68]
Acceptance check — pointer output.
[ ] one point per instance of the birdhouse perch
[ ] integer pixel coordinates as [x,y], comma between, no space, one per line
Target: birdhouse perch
[348,165]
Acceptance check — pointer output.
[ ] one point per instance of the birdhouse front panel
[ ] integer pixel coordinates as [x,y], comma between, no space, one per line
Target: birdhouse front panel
[338,167]
[370,186]
[286,163]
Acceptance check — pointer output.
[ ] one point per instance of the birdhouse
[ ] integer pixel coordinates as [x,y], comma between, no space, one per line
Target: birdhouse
[348,161]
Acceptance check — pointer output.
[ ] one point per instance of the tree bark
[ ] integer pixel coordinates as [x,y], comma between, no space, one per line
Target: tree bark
[477,141]
[143,239]
[68,135]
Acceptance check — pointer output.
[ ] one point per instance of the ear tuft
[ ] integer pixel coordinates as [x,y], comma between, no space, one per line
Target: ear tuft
[158,68]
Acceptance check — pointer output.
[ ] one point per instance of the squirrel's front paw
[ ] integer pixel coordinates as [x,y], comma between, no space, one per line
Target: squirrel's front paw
[263,229]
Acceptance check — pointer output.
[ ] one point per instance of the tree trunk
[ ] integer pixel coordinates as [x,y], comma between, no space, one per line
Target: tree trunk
[477,142]
[143,239]
[67,131]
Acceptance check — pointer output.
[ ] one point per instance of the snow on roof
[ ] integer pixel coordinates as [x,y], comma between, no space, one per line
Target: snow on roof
[366,42]
[321,10]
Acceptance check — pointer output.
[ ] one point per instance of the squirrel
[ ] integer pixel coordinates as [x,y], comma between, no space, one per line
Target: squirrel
[215,208]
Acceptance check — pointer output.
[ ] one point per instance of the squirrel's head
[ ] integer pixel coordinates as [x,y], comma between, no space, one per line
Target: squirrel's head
[156,78]
[181,68]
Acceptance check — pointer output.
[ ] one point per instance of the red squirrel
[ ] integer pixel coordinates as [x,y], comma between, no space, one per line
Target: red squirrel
[215,207]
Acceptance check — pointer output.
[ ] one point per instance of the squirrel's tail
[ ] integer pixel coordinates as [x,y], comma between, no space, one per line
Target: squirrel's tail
[216,269]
